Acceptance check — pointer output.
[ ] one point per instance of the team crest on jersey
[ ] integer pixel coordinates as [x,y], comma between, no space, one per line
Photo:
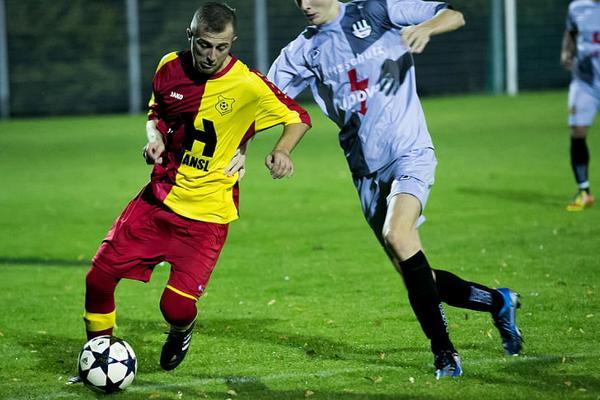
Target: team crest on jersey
[361,29]
[224,105]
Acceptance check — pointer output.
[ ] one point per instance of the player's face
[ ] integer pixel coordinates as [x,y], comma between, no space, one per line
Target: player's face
[210,49]
[319,12]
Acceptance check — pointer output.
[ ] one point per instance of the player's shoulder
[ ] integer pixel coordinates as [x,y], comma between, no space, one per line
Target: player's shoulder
[167,58]
[303,41]
[578,5]
[372,8]
[297,50]
[250,78]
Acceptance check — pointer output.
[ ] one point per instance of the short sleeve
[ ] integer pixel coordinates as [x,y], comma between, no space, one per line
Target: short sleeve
[413,12]
[274,107]
[289,73]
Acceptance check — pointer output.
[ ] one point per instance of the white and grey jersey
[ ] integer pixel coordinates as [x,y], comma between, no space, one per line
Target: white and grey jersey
[362,77]
[583,19]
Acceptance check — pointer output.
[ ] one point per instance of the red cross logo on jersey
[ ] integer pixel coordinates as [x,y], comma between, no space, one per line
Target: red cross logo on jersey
[358,86]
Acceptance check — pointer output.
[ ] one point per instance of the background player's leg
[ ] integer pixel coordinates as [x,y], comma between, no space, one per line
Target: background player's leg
[580,159]
[583,106]
[580,156]
[100,312]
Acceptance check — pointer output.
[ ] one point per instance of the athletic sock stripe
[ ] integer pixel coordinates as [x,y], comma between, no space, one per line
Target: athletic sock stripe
[182,293]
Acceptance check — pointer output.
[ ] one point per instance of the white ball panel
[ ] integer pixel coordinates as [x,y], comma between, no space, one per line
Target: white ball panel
[117,372]
[127,381]
[99,344]
[97,377]
[129,349]
[118,352]
[86,359]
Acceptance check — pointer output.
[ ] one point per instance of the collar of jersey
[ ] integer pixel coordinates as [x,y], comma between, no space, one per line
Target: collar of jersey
[332,24]
[193,74]
[226,69]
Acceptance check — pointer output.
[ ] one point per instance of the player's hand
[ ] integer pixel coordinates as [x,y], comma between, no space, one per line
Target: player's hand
[279,164]
[237,163]
[153,152]
[566,60]
[416,38]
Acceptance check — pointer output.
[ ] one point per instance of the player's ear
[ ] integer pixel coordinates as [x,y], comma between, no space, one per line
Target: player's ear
[234,39]
[188,31]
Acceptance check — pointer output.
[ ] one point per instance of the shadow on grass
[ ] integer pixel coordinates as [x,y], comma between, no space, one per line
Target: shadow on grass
[255,389]
[57,356]
[50,262]
[261,331]
[516,196]
[548,372]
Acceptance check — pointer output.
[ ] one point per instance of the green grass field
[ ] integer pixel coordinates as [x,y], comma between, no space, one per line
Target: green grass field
[303,302]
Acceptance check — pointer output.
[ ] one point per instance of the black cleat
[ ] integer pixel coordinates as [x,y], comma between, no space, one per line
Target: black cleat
[175,348]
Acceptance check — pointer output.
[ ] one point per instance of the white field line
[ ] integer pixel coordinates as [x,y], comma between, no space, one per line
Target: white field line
[334,372]
[316,374]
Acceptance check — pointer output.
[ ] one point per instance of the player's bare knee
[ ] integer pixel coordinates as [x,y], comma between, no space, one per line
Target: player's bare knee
[398,239]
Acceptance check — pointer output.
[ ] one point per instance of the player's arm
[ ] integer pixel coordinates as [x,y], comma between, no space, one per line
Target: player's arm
[155,147]
[567,51]
[417,36]
[278,161]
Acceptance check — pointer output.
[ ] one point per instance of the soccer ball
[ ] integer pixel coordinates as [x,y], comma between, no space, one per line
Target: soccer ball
[107,364]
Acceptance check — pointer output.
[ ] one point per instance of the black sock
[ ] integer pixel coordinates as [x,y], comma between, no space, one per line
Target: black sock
[580,159]
[425,301]
[460,293]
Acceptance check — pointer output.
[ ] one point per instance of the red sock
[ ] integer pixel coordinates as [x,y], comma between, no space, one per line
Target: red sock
[178,310]
[99,302]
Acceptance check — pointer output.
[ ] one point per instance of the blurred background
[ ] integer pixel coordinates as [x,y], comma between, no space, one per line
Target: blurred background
[98,56]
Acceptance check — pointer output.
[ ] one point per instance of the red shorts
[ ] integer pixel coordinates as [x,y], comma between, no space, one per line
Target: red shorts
[147,233]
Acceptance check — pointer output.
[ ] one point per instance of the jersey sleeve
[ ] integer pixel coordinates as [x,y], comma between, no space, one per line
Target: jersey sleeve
[154,105]
[413,12]
[274,107]
[288,72]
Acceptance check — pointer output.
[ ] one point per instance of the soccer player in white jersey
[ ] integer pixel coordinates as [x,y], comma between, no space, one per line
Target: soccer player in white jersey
[356,59]
[581,54]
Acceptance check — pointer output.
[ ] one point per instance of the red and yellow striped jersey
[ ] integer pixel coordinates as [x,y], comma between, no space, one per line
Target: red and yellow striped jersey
[203,121]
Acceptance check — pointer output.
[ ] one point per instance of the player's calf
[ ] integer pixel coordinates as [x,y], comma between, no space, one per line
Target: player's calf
[179,310]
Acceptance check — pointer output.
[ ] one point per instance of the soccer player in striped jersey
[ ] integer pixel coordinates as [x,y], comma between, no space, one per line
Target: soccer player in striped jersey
[356,59]
[205,105]
[581,55]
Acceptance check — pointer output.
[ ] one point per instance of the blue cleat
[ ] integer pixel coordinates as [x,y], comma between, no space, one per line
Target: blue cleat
[447,363]
[506,322]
